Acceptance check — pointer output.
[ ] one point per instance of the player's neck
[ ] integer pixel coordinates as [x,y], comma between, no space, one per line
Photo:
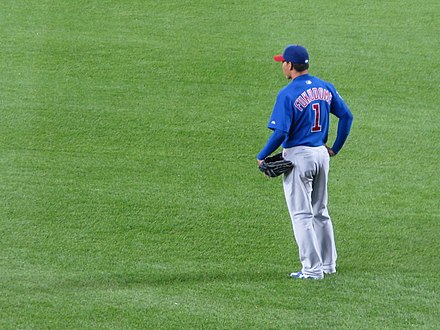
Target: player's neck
[295,74]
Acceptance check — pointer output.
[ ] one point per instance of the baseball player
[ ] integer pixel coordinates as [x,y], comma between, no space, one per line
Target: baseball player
[300,124]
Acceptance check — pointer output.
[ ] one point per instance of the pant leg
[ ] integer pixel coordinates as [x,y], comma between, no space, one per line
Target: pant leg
[297,190]
[322,222]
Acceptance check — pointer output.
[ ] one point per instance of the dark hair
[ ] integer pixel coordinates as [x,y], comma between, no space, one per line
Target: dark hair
[300,67]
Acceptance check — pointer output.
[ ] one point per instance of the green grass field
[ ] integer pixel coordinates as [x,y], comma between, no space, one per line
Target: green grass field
[129,188]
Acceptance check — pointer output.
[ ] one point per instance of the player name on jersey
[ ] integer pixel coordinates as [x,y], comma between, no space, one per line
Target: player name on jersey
[312,94]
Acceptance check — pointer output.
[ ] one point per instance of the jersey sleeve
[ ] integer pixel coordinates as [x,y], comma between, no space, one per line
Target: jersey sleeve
[340,110]
[272,144]
[338,106]
[282,114]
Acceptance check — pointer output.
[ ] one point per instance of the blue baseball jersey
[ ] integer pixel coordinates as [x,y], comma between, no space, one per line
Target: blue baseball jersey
[302,111]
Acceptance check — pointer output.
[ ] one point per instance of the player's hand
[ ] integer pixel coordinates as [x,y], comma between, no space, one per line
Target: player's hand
[330,151]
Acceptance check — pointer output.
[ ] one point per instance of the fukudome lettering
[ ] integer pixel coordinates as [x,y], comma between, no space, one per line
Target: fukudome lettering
[310,95]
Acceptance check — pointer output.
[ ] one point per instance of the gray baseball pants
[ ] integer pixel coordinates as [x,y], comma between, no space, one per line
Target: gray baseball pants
[305,189]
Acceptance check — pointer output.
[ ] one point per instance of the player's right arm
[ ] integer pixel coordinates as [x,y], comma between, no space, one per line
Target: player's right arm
[340,109]
[344,126]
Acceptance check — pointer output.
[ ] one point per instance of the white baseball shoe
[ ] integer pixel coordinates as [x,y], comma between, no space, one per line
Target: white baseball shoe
[300,275]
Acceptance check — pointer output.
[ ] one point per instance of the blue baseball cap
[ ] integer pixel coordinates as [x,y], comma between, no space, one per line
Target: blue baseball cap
[293,53]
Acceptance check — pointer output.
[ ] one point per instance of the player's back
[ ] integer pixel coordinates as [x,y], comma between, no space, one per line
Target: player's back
[310,102]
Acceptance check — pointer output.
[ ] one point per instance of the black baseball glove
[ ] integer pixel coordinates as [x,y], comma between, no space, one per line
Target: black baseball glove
[275,165]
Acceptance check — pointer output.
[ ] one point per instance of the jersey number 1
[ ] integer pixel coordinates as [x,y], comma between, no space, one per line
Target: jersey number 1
[316,127]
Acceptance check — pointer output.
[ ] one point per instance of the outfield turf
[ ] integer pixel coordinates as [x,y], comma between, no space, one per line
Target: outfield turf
[130,196]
